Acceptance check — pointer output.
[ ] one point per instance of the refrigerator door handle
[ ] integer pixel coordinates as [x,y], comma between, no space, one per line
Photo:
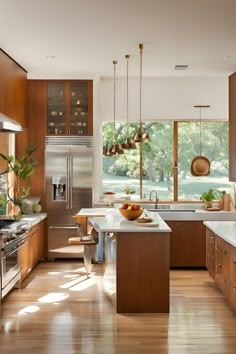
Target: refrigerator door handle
[63,227]
[71,182]
[67,183]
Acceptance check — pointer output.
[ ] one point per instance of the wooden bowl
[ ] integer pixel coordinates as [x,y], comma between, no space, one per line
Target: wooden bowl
[130,214]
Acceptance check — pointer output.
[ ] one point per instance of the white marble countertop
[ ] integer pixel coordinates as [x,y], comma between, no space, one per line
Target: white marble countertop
[224,229]
[114,222]
[33,219]
[178,214]
[199,215]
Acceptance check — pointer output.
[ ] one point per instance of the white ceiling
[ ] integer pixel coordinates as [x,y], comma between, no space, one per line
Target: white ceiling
[85,36]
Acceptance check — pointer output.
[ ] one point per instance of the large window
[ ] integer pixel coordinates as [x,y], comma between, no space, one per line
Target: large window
[167,158]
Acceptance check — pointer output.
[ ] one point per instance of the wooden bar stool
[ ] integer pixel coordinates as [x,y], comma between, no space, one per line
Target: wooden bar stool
[88,241]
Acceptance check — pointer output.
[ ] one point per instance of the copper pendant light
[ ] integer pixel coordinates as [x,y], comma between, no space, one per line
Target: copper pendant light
[140,136]
[115,148]
[129,143]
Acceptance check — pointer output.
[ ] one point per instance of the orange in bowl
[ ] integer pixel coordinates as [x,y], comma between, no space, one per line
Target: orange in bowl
[130,214]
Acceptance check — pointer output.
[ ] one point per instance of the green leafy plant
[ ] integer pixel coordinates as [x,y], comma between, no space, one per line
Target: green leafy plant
[22,169]
[210,195]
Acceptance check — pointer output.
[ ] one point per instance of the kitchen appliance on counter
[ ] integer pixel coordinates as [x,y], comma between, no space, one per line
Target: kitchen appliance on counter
[68,188]
[13,236]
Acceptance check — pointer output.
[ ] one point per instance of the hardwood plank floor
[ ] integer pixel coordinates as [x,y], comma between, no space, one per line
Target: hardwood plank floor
[58,310]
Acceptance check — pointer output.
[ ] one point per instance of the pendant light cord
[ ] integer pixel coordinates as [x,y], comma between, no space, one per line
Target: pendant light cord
[127,86]
[114,62]
[200,136]
[140,83]
[200,124]
[127,90]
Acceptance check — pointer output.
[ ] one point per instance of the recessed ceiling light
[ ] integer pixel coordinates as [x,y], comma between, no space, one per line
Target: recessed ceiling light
[50,57]
[227,57]
[181,67]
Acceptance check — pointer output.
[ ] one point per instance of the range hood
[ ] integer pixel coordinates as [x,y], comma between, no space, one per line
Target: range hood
[9,125]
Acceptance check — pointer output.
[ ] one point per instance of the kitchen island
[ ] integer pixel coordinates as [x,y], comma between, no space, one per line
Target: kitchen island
[136,263]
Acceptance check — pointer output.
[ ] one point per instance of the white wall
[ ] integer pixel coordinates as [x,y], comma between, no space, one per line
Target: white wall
[165,98]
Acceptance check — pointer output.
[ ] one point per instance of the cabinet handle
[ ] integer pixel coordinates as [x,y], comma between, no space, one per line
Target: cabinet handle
[217,249]
[219,265]
[224,251]
[234,261]
[234,288]
[212,237]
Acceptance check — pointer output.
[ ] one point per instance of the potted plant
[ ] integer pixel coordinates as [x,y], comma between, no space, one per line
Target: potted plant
[210,195]
[22,169]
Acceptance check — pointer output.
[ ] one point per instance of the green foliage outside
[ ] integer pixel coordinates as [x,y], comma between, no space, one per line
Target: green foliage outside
[158,165]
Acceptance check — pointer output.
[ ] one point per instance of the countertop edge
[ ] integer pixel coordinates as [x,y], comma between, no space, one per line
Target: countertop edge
[224,229]
[33,219]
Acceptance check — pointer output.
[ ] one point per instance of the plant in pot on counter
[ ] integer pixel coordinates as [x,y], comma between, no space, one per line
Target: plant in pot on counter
[210,195]
[21,169]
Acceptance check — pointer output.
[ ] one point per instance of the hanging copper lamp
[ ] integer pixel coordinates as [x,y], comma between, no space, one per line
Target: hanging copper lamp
[115,148]
[140,136]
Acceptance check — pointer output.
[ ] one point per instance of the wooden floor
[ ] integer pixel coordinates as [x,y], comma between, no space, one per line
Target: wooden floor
[58,311]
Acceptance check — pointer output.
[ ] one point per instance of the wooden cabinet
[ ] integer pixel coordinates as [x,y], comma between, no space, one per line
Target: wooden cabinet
[210,252]
[222,265]
[232,127]
[24,259]
[232,283]
[36,243]
[33,251]
[225,266]
[187,244]
[13,98]
[69,108]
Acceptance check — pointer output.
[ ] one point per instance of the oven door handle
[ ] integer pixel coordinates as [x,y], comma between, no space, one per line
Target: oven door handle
[63,227]
[15,249]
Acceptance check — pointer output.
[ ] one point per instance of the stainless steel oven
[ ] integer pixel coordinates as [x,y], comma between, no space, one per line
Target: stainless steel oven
[10,267]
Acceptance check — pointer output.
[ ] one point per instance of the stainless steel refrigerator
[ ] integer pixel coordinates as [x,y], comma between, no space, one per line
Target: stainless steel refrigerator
[68,187]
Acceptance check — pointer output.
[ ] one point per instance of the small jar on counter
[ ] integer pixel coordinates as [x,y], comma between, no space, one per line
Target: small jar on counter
[215,204]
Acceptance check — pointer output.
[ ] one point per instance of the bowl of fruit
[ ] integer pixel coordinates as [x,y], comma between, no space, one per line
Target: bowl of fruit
[131,211]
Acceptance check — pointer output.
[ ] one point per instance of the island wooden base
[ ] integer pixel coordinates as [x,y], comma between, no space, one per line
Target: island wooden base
[140,274]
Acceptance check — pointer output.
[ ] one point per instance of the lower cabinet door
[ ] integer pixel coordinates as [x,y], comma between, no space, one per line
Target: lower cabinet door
[232,294]
[211,266]
[24,260]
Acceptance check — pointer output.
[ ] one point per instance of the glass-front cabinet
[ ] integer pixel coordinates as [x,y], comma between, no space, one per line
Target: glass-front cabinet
[69,107]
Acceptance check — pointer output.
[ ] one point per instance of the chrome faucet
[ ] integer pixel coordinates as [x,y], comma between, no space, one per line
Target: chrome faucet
[150,197]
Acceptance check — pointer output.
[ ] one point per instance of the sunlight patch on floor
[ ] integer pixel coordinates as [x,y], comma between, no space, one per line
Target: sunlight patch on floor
[84,285]
[74,282]
[28,309]
[70,276]
[53,297]
[54,273]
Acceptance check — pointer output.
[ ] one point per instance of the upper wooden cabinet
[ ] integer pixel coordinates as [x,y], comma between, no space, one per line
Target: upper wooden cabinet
[13,99]
[69,108]
[232,127]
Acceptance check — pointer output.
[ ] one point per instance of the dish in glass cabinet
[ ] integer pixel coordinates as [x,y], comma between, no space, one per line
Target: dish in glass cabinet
[53,113]
[76,124]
